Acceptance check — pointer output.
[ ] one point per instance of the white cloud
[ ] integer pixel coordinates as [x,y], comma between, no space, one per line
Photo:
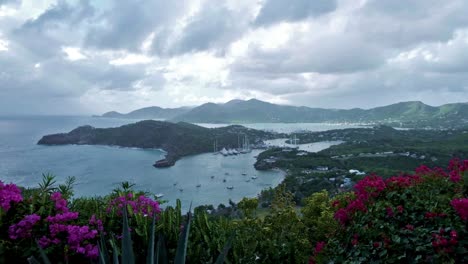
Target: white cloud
[129,59]
[73,53]
[3,45]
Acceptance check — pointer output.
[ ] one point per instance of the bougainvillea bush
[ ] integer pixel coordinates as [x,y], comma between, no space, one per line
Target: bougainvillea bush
[42,218]
[418,218]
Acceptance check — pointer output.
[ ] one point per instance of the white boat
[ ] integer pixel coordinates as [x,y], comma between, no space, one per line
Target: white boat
[254,177]
[224,152]
[159,195]
[230,187]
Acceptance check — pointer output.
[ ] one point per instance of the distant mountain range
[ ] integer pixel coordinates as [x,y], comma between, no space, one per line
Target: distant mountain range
[152,112]
[408,114]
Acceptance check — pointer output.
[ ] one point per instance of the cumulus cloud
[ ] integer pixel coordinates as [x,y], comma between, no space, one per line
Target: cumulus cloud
[274,11]
[85,56]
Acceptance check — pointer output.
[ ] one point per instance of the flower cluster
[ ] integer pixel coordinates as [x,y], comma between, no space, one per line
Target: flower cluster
[9,193]
[62,217]
[444,242]
[461,206]
[60,229]
[77,237]
[140,205]
[94,221]
[403,181]
[60,203]
[367,188]
[24,228]
[370,186]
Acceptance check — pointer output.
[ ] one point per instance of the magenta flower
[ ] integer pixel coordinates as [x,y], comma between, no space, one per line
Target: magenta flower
[60,203]
[461,206]
[24,228]
[9,193]
[319,246]
[140,205]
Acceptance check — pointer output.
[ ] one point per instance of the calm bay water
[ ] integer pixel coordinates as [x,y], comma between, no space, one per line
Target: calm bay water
[99,169]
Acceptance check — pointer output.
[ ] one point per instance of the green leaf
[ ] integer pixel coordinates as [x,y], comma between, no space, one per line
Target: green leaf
[103,253]
[115,252]
[150,256]
[33,260]
[127,249]
[183,240]
[161,252]
[222,256]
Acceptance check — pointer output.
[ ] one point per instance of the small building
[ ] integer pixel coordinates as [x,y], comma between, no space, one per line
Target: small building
[322,168]
[356,172]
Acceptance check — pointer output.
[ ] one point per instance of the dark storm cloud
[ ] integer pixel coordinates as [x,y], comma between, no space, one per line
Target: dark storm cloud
[58,26]
[128,23]
[274,11]
[401,24]
[325,54]
[214,27]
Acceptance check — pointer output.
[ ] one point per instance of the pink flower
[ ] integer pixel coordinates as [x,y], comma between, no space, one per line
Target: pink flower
[24,228]
[60,203]
[342,216]
[68,216]
[455,176]
[389,212]
[319,246]
[138,205]
[9,193]
[461,206]
[370,186]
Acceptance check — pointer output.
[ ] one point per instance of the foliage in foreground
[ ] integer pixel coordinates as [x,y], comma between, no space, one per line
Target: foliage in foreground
[411,218]
[418,218]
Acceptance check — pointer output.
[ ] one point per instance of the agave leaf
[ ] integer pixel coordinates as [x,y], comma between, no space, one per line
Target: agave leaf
[161,252]
[127,249]
[44,257]
[33,260]
[183,240]
[103,253]
[150,257]
[115,252]
[222,256]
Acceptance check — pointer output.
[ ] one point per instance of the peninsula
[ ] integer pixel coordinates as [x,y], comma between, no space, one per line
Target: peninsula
[177,139]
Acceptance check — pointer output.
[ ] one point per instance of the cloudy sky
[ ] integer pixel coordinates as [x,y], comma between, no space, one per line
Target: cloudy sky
[92,56]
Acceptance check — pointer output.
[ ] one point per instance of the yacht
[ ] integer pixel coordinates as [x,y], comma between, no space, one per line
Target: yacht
[224,152]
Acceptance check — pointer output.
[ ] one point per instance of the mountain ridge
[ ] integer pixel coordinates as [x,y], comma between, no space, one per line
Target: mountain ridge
[408,114]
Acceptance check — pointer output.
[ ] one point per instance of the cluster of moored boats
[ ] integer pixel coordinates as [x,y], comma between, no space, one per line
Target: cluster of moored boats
[230,152]
[230,187]
[242,149]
